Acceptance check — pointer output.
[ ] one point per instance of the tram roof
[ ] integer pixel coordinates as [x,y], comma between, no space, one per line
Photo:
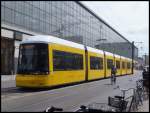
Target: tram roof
[95,50]
[117,56]
[108,53]
[123,57]
[51,39]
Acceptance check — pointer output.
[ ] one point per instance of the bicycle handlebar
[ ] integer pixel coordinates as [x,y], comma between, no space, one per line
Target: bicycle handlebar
[126,89]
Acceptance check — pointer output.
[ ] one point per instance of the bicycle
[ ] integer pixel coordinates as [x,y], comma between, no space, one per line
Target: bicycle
[53,109]
[136,97]
[135,100]
[142,90]
[96,107]
[115,104]
[123,103]
[119,101]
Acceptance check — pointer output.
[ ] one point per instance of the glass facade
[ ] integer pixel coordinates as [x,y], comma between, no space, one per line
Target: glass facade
[69,20]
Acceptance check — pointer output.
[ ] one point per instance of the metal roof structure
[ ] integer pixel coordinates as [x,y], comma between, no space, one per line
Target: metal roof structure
[100,19]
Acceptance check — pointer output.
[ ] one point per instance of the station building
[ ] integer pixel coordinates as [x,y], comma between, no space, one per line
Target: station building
[70,20]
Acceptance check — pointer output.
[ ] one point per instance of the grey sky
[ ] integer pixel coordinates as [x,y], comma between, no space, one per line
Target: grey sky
[131,19]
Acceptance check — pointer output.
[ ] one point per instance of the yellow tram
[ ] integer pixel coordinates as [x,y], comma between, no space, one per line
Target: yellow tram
[118,64]
[46,61]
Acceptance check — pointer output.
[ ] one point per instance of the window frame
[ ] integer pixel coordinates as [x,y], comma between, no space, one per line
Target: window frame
[108,65]
[118,67]
[65,61]
[35,53]
[123,65]
[128,65]
[100,67]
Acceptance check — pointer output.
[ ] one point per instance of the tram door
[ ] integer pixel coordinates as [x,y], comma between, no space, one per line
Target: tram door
[6,56]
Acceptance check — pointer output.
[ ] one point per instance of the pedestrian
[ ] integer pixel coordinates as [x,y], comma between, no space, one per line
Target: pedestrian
[113,75]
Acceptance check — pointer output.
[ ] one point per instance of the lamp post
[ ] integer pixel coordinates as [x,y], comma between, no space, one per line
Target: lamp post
[133,57]
[138,45]
[145,59]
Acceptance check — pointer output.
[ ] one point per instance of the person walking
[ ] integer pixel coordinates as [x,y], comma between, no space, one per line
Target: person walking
[113,75]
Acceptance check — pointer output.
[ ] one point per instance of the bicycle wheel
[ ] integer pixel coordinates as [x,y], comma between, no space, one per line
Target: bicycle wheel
[133,105]
[141,96]
[145,93]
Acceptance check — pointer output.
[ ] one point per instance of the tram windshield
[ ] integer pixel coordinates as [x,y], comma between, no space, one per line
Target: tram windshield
[33,59]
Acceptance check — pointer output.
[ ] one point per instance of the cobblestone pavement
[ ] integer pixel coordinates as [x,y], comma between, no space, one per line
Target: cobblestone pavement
[145,107]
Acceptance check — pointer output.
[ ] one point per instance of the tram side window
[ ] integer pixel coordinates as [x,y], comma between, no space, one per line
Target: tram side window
[101,63]
[128,65]
[96,63]
[67,61]
[109,63]
[117,64]
[58,61]
[123,65]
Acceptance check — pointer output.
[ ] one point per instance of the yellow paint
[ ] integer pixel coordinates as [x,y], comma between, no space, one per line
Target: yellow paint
[108,71]
[95,74]
[32,80]
[55,77]
[123,71]
[61,77]
[134,63]
[129,71]
[118,70]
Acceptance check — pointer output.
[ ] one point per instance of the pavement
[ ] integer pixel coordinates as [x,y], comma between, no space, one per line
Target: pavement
[8,81]
[69,98]
[7,77]
[144,107]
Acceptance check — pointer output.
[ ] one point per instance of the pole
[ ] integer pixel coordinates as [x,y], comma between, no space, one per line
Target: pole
[132,57]
[145,59]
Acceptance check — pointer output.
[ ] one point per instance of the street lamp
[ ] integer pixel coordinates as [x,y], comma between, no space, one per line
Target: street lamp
[138,45]
[145,59]
[133,54]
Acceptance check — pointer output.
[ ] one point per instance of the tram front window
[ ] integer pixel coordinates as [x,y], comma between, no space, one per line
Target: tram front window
[33,59]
